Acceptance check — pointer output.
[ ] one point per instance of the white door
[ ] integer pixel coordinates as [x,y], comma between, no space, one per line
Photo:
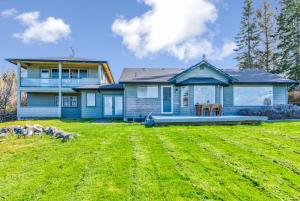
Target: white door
[204,94]
[118,105]
[45,76]
[108,105]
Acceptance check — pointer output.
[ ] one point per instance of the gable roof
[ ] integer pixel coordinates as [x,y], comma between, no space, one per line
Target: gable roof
[204,62]
[148,75]
[202,81]
[251,76]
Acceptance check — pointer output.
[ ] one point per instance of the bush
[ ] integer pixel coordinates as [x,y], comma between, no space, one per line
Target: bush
[276,112]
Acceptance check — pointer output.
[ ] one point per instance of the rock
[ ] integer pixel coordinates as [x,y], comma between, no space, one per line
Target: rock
[59,134]
[3,135]
[68,137]
[28,132]
[37,129]
[51,131]
[4,130]
[18,130]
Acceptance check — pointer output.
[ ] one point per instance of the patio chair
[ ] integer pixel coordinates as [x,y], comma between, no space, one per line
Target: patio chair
[198,109]
[217,109]
[206,109]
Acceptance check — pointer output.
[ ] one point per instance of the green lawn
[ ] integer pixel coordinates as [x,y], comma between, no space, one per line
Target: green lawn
[130,162]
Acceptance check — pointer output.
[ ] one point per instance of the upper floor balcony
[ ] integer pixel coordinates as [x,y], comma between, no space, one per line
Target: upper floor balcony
[45,82]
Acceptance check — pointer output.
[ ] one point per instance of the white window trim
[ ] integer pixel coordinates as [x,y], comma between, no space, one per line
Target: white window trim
[161,99]
[181,96]
[156,86]
[94,99]
[69,77]
[62,101]
[237,105]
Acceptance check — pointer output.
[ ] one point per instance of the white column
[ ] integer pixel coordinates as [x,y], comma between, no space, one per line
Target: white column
[59,87]
[18,89]
[100,73]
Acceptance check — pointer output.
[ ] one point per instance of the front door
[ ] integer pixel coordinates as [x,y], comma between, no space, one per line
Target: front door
[45,76]
[166,99]
[113,106]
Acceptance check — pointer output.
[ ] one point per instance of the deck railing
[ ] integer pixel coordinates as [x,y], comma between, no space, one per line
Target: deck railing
[33,82]
[42,112]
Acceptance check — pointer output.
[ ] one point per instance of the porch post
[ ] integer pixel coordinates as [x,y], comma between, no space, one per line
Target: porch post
[59,88]
[18,90]
[100,73]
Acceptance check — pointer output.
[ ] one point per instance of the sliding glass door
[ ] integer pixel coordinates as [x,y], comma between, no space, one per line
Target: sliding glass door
[112,105]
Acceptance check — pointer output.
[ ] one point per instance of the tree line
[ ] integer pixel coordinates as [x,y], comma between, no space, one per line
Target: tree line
[269,38]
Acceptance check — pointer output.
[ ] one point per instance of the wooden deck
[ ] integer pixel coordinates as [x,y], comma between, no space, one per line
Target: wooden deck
[212,120]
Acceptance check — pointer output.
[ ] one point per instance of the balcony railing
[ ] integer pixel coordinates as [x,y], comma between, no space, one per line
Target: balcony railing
[32,82]
[39,112]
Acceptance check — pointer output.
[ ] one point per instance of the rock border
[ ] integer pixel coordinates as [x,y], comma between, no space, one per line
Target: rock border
[37,130]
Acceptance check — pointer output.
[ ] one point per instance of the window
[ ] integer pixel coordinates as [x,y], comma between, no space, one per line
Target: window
[147,92]
[204,94]
[74,73]
[253,96]
[67,101]
[65,73]
[73,101]
[184,96]
[83,74]
[118,105]
[91,99]
[54,73]
[45,74]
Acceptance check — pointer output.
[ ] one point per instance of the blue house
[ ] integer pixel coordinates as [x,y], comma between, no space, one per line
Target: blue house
[85,88]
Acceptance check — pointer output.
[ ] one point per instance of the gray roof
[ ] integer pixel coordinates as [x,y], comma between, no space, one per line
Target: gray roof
[100,87]
[148,75]
[55,59]
[202,81]
[257,76]
[163,75]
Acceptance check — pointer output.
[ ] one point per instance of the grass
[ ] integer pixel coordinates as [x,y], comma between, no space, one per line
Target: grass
[130,162]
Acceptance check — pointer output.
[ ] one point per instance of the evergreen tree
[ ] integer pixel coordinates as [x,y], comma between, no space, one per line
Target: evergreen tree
[247,39]
[289,38]
[266,54]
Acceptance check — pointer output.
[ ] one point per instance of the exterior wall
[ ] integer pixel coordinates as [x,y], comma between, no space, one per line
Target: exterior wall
[91,112]
[202,71]
[41,99]
[97,111]
[48,100]
[280,96]
[140,107]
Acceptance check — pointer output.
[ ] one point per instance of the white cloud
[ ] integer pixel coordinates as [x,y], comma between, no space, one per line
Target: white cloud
[8,12]
[48,31]
[179,28]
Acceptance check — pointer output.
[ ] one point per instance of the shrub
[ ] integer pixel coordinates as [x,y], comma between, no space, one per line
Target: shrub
[276,112]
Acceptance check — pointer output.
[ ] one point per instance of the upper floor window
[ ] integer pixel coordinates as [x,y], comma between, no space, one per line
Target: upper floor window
[185,96]
[70,73]
[54,73]
[253,96]
[147,92]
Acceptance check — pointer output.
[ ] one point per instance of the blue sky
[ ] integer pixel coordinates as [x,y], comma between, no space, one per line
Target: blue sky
[127,33]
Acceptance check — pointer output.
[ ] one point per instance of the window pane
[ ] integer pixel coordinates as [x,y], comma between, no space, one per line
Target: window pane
[74,73]
[55,73]
[253,96]
[83,74]
[147,92]
[108,105]
[66,101]
[73,100]
[118,105]
[65,73]
[91,99]
[184,96]
[204,94]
